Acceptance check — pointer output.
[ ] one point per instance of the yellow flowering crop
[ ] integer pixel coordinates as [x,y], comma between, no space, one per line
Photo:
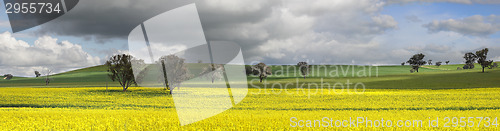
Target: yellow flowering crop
[151,109]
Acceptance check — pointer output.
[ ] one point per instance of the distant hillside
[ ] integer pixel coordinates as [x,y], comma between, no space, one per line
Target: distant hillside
[99,68]
[97,76]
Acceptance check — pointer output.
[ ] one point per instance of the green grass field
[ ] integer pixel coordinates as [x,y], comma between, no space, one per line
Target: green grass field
[398,77]
[80,100]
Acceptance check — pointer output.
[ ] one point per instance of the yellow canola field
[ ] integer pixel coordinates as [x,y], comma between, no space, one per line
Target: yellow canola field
[151,109]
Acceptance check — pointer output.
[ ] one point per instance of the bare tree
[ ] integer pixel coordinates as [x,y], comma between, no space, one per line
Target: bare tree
[173,66]
[304,68]
[47,76]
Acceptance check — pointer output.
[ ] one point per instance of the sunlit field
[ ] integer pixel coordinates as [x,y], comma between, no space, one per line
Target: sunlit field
[147,109]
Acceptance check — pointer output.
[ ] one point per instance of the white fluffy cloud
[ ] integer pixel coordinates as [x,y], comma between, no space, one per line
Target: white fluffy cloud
[19,58]
[474,25]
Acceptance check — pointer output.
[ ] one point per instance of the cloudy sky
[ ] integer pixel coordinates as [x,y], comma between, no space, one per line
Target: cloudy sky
[374,32]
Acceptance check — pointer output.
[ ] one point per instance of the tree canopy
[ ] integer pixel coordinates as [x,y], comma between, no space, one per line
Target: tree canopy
[173,65]
[438,63]
[416,61]
[470,58]
[481,57]
[304,68]
[8,76]
[120,69]
[37,74]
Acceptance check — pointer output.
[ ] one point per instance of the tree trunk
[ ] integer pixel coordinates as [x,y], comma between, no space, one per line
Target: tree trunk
[124,88]
[260,79]
[47,80]
[483,69]
[171,90]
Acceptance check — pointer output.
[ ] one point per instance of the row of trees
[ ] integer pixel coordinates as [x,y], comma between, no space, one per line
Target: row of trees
[120,68]
[439,63]
[480,57]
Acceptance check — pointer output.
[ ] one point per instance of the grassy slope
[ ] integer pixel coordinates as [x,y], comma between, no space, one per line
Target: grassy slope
[345,71]
[150,109]
[91,76]
[389,77]
[399,77]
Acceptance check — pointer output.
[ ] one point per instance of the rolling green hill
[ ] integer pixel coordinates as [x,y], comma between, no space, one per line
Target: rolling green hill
[388,77]
[95,76]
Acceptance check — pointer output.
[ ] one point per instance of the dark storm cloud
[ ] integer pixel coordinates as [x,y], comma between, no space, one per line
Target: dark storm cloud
[107,19]
[269,31]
